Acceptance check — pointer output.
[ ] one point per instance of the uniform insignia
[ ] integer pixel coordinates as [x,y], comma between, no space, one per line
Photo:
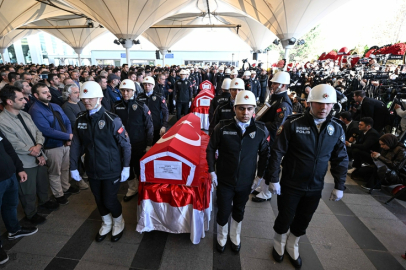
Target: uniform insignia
[102,123]
[279,110]
[246,97]
[252,134]
[330,130]
[342,138]
[281,115]
[153,98]
[85,91]
[135,106]
[163,100]
[279,130]
[284,108]
[120,130]
[325,96]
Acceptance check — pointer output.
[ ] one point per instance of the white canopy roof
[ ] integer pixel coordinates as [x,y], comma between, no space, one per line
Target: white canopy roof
[14,36]
[76,38]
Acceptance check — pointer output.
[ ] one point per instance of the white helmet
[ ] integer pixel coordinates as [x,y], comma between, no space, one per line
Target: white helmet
[228,71]
[245,98]
[253,72]
[226,84]
[221,68]
[281,77]
[91,89]
[127,84]
[237,83]
[234,72]
[323,93]
[247,73]
[149,79]
[183,72]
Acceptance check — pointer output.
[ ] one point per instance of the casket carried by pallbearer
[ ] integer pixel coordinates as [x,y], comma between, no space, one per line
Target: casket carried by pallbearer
[174,194]
[201,106]
[207,85]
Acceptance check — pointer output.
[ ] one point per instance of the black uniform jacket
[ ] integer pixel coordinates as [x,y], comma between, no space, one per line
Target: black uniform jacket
[237,161]
[157,105]
[306,154]
[103,139]
[217,100]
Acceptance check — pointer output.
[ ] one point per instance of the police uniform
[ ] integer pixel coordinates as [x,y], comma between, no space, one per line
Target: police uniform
[159,112]
[263,82]
[183,95]
[306,150]
[107,149]
[218,78]
[216,101]
[224,111]
[136,117]
[255,87]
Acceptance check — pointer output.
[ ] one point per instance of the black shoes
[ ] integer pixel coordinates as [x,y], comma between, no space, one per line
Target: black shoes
[62,200]
[278,258]
[37,219]
[256,199]
[100,238]
[50,205]
[24,231]
[117,237]
[255,192]
[296,263]
[3,256]
[128,198]
[235,248]
[72,190]
[220,248]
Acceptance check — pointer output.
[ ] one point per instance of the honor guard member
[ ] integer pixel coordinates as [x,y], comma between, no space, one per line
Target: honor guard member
[239,141]
[102,137]
[193,80]
[217,100]
[307,143]
[136,117]
[227,73]
[247,80]
[183,94]
[255,85]
[226,109]
[157,105]
[279,110]
[218,79]
[233,74]
[263,82]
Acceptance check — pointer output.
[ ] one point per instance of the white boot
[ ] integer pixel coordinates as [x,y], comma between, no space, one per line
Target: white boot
[279,243]
[107,224]
[132,187]
[264,195]
[222,232]
[235,235]
[118,228]
[292,247]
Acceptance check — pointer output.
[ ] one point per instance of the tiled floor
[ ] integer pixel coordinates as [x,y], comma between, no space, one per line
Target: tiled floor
[359,232]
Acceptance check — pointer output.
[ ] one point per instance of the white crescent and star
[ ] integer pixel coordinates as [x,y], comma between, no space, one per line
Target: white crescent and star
[182,138]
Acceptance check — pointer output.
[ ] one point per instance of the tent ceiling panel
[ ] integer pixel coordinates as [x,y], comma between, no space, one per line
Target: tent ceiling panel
[15,13]
[128,18]
[76,38]
[14,36]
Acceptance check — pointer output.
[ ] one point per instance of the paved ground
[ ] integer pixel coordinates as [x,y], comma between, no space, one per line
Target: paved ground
[359,232]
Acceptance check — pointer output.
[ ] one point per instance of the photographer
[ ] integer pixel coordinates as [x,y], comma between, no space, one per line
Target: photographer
[389,166]
[402,114]
[372,108]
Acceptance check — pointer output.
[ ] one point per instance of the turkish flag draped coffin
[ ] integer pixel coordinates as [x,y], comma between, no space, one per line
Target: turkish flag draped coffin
[175,189]
[207,85]
[200,107]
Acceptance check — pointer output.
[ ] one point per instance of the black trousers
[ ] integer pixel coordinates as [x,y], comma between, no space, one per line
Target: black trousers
[226,195]
[105,195]
[360,157]
[181,108]
[156,136]
[137,152]
[170,102]
[296,209]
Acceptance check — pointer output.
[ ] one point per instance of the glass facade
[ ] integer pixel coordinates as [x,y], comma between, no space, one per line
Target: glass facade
[12,54]
[26,50]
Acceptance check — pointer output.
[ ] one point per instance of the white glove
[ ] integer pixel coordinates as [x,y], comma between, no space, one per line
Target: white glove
[336,195]
[174,103]
[275,188]
[125,174]
[213,177]
[75,175]
[256,183]
[162,131]
[190,103]
[147,149]
[257,98]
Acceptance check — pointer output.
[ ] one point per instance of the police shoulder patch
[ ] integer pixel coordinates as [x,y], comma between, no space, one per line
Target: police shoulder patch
[279,130]
[281,115]
[342,138]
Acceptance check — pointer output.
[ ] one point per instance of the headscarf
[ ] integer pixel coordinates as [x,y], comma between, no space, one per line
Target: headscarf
[390,140]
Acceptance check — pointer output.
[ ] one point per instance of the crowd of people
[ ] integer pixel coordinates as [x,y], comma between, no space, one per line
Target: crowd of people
[57,122]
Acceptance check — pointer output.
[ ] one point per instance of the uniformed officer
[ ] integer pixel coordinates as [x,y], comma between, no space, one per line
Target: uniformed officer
[136,117]
[263,82]
[239,141]
[218,79]
[279,110]
[233,74]
[157,106]
[227,73]
[224,97]
[102,137]
[307,143]
[193,80]
[226,109]
[183,94]
[246,78]
[255,85]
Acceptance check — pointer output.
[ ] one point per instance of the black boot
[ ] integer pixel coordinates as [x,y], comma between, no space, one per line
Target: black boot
[278,258]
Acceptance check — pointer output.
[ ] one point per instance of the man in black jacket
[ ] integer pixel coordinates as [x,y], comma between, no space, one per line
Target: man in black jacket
[217,100]
[183,93]
[307,143]
[104,140]
[351,129]
[136,117]
[239,141]
[106,102]
[10,167]
[366,141]
[263,81]
[54,82]
[373,108]
[218,80]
